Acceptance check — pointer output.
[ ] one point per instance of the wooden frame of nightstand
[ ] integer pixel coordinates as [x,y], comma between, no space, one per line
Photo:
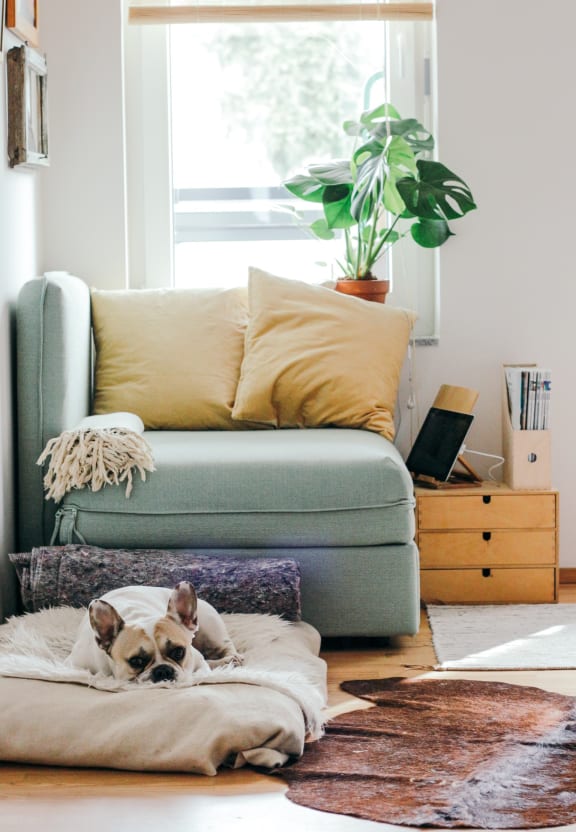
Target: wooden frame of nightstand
[490,545]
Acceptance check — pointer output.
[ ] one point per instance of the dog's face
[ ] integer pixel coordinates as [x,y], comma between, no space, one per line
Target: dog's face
[149,649]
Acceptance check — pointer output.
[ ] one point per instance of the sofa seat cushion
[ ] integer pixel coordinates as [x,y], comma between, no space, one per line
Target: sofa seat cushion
[325,487]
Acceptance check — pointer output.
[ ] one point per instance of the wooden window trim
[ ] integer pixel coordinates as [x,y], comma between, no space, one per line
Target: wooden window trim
[292,12]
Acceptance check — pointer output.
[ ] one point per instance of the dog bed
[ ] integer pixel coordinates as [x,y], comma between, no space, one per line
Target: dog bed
[260,714]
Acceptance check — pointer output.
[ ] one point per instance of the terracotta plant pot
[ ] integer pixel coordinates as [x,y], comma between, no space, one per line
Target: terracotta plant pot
[370,289]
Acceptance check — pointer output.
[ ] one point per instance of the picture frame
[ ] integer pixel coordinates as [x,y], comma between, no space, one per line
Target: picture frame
[2,19]
[27,77]
[22,19]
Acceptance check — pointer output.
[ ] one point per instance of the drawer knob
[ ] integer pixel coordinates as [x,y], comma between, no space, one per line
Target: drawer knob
[486,499]
[486,535]
[486,573]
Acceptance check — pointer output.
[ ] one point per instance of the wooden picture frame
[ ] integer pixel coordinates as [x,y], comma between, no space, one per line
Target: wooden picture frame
[26,75]
[22,19]
[2,19]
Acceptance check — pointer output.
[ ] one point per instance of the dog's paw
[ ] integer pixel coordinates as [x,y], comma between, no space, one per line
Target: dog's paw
[231,660]
[237,660]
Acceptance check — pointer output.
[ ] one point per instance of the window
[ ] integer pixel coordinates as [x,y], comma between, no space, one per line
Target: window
[220,114]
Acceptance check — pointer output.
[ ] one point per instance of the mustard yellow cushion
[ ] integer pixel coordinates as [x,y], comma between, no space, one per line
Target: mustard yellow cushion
[316,357]
[171,356]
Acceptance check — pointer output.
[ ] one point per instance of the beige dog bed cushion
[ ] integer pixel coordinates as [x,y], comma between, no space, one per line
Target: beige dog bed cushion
[259,714]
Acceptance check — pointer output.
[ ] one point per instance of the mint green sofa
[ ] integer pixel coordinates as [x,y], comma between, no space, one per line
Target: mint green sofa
[338,501]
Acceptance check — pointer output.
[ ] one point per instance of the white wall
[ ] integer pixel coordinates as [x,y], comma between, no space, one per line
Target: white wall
[84,216]
[18,263]
[508,292]
[506,116]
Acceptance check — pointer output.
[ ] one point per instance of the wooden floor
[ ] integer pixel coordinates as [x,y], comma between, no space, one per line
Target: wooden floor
[77,800]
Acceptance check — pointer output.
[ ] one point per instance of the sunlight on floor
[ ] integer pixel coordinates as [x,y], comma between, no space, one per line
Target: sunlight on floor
[515,646]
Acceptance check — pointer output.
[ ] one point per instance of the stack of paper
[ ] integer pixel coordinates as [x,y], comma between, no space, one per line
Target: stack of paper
[528,388]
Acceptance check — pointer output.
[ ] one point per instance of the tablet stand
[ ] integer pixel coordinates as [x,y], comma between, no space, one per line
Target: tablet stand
[457,479]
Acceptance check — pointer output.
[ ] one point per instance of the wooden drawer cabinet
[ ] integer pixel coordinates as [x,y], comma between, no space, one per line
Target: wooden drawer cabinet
[509,547]
[489,586]
[488,511]
[489,545]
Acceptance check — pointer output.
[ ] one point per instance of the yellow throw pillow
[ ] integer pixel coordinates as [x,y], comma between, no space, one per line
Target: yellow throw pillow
[316,357]
[171,356]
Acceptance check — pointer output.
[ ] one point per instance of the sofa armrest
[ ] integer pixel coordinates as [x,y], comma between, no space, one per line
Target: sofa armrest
[53,377]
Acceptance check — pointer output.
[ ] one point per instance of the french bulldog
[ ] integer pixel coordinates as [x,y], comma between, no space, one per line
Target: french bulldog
[152,634]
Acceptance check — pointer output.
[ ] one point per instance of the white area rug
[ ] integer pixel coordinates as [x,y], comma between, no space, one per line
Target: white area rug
[504,637]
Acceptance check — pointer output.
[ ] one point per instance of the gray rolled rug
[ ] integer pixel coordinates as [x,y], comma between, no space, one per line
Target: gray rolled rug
[73,575]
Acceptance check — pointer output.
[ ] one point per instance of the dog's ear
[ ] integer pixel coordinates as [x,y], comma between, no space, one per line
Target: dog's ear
[182,606]
[105,622]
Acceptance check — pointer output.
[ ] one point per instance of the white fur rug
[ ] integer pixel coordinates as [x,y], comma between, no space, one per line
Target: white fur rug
[259,713]
[504,637]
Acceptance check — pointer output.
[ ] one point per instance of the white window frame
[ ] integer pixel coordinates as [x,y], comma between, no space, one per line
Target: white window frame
[148,149]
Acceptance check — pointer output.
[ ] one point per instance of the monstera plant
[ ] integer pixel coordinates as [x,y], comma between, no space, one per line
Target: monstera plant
[383,192]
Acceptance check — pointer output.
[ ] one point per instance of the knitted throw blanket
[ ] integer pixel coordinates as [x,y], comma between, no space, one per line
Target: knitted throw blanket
[101,450]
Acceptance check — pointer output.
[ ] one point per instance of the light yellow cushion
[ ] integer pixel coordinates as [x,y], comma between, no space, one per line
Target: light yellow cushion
[316,357]
[171,356]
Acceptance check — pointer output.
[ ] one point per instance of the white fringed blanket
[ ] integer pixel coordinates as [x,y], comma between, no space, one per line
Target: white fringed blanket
[101,450]
[259,714]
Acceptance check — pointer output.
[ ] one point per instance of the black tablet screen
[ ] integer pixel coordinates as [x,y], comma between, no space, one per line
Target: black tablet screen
[438,443]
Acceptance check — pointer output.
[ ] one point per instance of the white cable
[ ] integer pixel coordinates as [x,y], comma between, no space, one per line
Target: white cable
[412,401]
[500,459]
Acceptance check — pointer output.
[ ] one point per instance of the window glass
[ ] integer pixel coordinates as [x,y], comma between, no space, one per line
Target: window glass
[252,104]
[219,115]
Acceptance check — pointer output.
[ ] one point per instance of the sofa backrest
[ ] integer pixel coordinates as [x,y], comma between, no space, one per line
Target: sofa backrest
[53,365]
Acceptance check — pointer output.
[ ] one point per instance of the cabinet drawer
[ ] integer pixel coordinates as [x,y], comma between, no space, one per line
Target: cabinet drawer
[487,512]
[486,548]
[488,586]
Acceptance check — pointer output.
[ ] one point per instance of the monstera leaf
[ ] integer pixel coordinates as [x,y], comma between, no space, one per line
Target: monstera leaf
[331,185]
[305,187]
[437,193]
[311,187]
[385,121]
[321,229]
[379,165]
[332,173]
[337,206]
[369,117]
[430,233]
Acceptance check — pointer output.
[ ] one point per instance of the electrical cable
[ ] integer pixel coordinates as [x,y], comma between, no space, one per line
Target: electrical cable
[492,468]
[411,400]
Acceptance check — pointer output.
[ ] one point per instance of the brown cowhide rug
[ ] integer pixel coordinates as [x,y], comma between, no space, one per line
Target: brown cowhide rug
[445,753]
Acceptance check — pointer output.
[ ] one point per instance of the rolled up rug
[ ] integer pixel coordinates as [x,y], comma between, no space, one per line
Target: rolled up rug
[101,450]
